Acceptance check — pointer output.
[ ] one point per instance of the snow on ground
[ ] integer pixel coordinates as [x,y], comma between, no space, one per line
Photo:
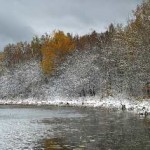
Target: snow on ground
[138,107]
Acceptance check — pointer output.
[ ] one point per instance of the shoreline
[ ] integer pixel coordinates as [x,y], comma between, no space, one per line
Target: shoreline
[117,103]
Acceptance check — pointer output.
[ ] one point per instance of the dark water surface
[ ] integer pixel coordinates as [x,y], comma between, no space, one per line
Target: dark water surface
[71,128]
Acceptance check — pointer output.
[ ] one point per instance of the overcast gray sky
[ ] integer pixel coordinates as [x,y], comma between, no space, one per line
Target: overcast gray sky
[21,19]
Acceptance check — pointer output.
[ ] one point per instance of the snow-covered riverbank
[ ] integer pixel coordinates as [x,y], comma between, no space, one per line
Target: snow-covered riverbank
[117,102]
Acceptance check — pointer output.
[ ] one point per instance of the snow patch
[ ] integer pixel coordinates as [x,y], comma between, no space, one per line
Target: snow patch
[132,105]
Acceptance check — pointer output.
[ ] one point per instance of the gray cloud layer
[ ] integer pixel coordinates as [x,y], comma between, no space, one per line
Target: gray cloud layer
[21,19]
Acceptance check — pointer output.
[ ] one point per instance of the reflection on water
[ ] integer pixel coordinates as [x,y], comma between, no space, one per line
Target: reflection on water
[68,128]
[57,144]
[52,144]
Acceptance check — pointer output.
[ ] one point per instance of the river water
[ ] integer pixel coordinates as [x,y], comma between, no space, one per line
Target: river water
[71,128]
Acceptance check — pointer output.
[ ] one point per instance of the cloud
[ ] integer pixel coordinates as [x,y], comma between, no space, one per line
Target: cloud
[21,19]
[13,30]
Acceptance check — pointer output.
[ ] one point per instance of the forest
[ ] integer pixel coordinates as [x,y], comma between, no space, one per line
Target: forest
[62,64]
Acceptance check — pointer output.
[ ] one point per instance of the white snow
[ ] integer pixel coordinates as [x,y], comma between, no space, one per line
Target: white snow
[26,80]
[131,105]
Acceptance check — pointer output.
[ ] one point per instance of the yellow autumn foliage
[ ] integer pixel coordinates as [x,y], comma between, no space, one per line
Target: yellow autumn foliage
[54,48]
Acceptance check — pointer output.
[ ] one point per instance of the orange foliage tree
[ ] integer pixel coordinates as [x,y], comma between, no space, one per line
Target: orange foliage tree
[54,48]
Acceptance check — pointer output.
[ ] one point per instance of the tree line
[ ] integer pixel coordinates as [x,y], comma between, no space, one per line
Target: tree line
[124,52]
